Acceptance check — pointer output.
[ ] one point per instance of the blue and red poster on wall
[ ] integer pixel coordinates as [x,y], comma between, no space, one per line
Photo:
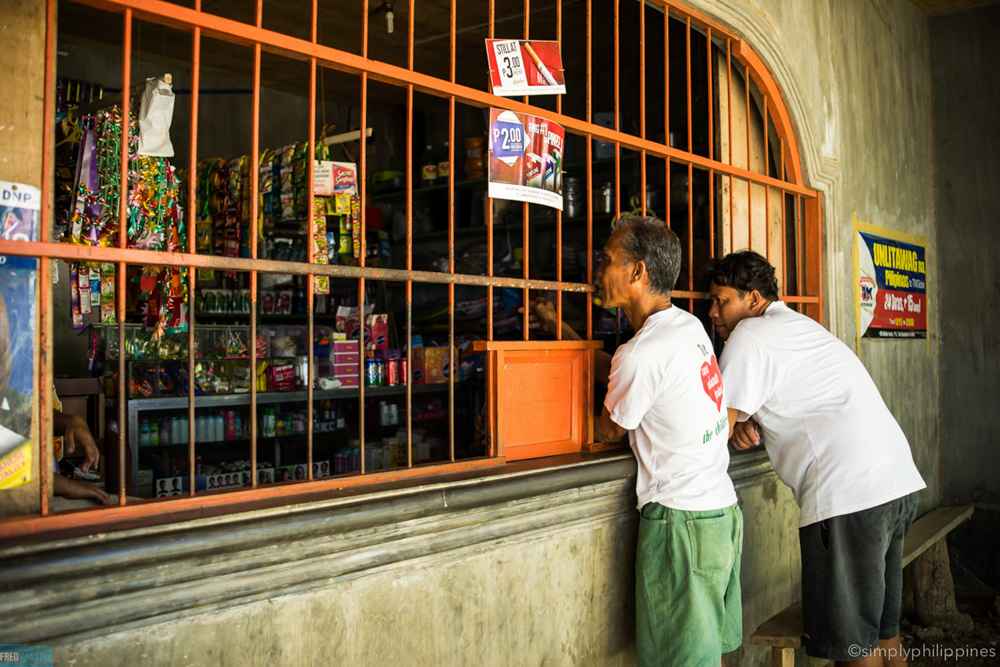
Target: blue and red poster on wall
[893,288]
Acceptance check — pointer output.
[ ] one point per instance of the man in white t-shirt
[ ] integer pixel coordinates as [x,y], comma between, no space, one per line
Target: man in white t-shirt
[666,391]
[831,438]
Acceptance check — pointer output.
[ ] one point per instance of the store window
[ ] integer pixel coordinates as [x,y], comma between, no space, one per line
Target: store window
[308,285]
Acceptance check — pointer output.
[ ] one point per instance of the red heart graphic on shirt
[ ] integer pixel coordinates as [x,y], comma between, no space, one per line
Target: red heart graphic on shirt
[711,381]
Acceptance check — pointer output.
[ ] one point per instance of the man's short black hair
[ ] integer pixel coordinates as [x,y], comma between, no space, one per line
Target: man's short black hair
[745,271]
[649,240]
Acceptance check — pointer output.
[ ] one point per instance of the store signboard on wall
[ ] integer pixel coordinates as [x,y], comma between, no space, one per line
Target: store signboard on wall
[892,284]
[519,67]
[525,158]
[19,206]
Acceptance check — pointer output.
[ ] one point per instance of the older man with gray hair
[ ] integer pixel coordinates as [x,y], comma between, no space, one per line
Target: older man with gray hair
[665,391]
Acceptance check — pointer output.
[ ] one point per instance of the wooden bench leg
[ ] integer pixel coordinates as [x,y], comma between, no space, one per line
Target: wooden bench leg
[782,657]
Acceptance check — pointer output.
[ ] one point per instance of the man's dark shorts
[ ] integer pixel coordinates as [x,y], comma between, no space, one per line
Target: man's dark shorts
[852,579]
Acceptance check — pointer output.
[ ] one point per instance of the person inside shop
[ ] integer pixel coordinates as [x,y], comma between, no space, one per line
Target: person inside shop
[77,439]
[665,392]
[797,388]
[72,430]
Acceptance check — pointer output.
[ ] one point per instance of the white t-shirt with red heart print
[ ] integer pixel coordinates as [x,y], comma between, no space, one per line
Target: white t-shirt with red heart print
[826,428]
[666,389]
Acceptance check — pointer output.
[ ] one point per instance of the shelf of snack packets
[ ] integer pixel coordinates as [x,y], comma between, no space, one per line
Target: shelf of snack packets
[158,366]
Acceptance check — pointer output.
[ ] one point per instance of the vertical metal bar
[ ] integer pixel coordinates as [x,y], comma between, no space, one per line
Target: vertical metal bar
[364,33]
[690,147]
[409,35]
[666,80]
[311,248]
[642,75]
[525,217]
[192,217]
[409,267]
[746,85]
[687,47]
[451,269]
[767,189]
[767,222]
[767,162]
[617,122]
[491,20]
[559,214]
[590,63]
[44,384]
[617,65]
[590,230]
[798,245]
[451,245]
[123,385]
[784,257]
[666,110]
[642,103]
[254,184]
[711,213]
[711,107]
[729,111]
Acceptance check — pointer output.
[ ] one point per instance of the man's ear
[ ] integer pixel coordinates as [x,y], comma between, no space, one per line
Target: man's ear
[638,269]
[756,301]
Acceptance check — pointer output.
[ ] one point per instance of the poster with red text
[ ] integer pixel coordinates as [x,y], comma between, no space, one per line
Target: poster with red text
[521,67]
[893,286]
[525,158]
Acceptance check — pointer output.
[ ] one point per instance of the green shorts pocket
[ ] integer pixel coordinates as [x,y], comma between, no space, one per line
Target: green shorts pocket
[711,540]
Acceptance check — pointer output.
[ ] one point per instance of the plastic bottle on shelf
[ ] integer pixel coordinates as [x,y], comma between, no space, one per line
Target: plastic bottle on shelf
[144,432]
[184,430]
[154,434]
[238,425]
[230,433]
[268,430]
[218,428]
[428,168]
[166,432]
[175,429]
[444,166]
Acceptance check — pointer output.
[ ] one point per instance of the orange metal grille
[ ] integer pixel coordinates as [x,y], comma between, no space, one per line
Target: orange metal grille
[791,237]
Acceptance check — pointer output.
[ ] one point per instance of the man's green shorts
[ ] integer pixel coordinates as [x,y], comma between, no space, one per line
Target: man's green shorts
[687,586]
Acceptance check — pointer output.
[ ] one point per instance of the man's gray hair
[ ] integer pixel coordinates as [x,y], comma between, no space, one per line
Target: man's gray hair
[649,240]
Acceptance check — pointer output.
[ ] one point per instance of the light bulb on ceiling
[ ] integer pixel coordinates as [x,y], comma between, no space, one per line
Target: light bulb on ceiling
[388,17]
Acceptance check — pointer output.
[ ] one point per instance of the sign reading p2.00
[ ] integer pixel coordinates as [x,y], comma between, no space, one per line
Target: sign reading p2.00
[893,283]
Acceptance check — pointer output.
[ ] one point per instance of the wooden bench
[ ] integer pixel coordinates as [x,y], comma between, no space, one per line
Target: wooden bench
[783,632]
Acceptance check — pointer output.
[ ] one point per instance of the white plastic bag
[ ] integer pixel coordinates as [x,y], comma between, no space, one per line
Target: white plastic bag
[156,110]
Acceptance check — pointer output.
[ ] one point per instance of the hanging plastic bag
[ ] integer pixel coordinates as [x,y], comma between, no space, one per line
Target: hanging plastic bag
[156,110]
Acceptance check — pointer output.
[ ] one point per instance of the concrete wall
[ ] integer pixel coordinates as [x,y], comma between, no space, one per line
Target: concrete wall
[966,90]
[22,80]
[525,568]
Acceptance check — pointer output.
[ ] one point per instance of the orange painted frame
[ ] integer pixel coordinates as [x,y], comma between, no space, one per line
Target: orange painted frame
[542,394]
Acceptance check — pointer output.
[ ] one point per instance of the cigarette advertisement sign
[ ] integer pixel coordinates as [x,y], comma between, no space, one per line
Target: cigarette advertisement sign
[525,158]
[519,67]
[19,206]
[893,287]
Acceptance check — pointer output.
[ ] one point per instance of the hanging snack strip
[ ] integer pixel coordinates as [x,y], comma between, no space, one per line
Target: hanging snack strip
[322,283]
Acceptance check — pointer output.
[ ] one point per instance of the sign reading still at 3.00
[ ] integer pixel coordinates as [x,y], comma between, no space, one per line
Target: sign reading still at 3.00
[893,286]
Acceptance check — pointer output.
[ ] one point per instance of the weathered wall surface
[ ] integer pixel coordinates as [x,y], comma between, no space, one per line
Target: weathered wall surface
[517,570]
[22,80]
[966,90]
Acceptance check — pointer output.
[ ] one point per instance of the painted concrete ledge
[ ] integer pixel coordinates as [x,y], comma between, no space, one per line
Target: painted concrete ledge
[63,592]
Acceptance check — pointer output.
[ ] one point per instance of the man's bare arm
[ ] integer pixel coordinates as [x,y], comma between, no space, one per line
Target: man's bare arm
[605,430]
